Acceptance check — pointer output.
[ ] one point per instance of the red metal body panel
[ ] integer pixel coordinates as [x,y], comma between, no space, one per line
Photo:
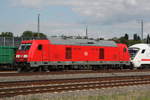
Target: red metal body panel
[123,53]
[81,53]
[53,52]
[33,53]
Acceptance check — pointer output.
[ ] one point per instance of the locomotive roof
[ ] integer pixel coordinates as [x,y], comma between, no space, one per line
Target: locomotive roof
[83,42]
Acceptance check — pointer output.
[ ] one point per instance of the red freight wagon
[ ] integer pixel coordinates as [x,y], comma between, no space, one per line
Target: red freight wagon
[69,53]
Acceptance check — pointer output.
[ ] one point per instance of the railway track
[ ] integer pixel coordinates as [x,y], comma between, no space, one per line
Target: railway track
[8,89]
[13,73]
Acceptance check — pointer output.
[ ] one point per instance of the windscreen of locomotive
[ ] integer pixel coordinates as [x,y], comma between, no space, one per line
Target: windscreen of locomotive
[133,52]
[24,46]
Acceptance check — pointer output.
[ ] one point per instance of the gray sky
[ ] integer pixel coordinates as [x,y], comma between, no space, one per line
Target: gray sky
[105,18]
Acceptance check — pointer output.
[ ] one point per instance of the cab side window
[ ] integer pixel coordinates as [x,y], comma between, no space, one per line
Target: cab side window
[124,50]
[40,47]
[143,51]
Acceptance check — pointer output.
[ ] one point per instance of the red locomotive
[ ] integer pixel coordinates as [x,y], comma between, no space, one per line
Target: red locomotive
[65,53]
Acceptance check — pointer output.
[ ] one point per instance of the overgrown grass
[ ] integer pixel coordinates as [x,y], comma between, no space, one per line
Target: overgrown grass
[129,96]
[35,99]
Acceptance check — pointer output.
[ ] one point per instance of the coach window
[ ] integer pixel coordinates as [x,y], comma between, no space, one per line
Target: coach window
[40,47]
[101,53]
[68,53]
[143,51]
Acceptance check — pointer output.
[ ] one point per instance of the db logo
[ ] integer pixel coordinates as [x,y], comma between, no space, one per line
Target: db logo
[85,53]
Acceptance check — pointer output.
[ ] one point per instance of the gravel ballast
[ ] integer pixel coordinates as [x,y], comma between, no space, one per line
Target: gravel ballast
[83,93]
[68,76]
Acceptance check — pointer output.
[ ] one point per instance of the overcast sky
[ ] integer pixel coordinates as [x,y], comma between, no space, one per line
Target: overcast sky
[104,18]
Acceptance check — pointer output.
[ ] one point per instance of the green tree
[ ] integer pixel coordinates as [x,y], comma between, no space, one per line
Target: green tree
[39,35]
[123,40]
[27,34]
[126,36]
[148,39]
[136,37]
[6,34]
[33,34]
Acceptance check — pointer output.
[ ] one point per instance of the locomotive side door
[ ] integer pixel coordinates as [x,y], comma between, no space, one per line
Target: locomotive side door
[45,53]
[40,53]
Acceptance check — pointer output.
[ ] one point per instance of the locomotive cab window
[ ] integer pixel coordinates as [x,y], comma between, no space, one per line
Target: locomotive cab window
[133,52]
[68,53]
[25,46]
[40,47]
[143,51]
[101,53]
[124,50]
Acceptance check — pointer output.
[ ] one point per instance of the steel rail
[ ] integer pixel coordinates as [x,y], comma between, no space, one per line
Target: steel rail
[75,86]
[62,81]
[69,72]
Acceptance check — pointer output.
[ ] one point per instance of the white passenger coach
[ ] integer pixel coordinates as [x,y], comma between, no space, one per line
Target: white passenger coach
[140,55]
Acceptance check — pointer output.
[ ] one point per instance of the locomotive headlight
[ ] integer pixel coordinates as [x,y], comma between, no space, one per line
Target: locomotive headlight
[17,56]
[25,56]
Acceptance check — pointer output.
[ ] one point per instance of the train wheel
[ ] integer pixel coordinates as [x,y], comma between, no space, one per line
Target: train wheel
[40,69]
[31,70]
[45,68]
[19,70]
[22,69]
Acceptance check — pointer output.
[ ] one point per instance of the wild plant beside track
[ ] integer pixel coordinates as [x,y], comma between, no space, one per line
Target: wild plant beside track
[128,96]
